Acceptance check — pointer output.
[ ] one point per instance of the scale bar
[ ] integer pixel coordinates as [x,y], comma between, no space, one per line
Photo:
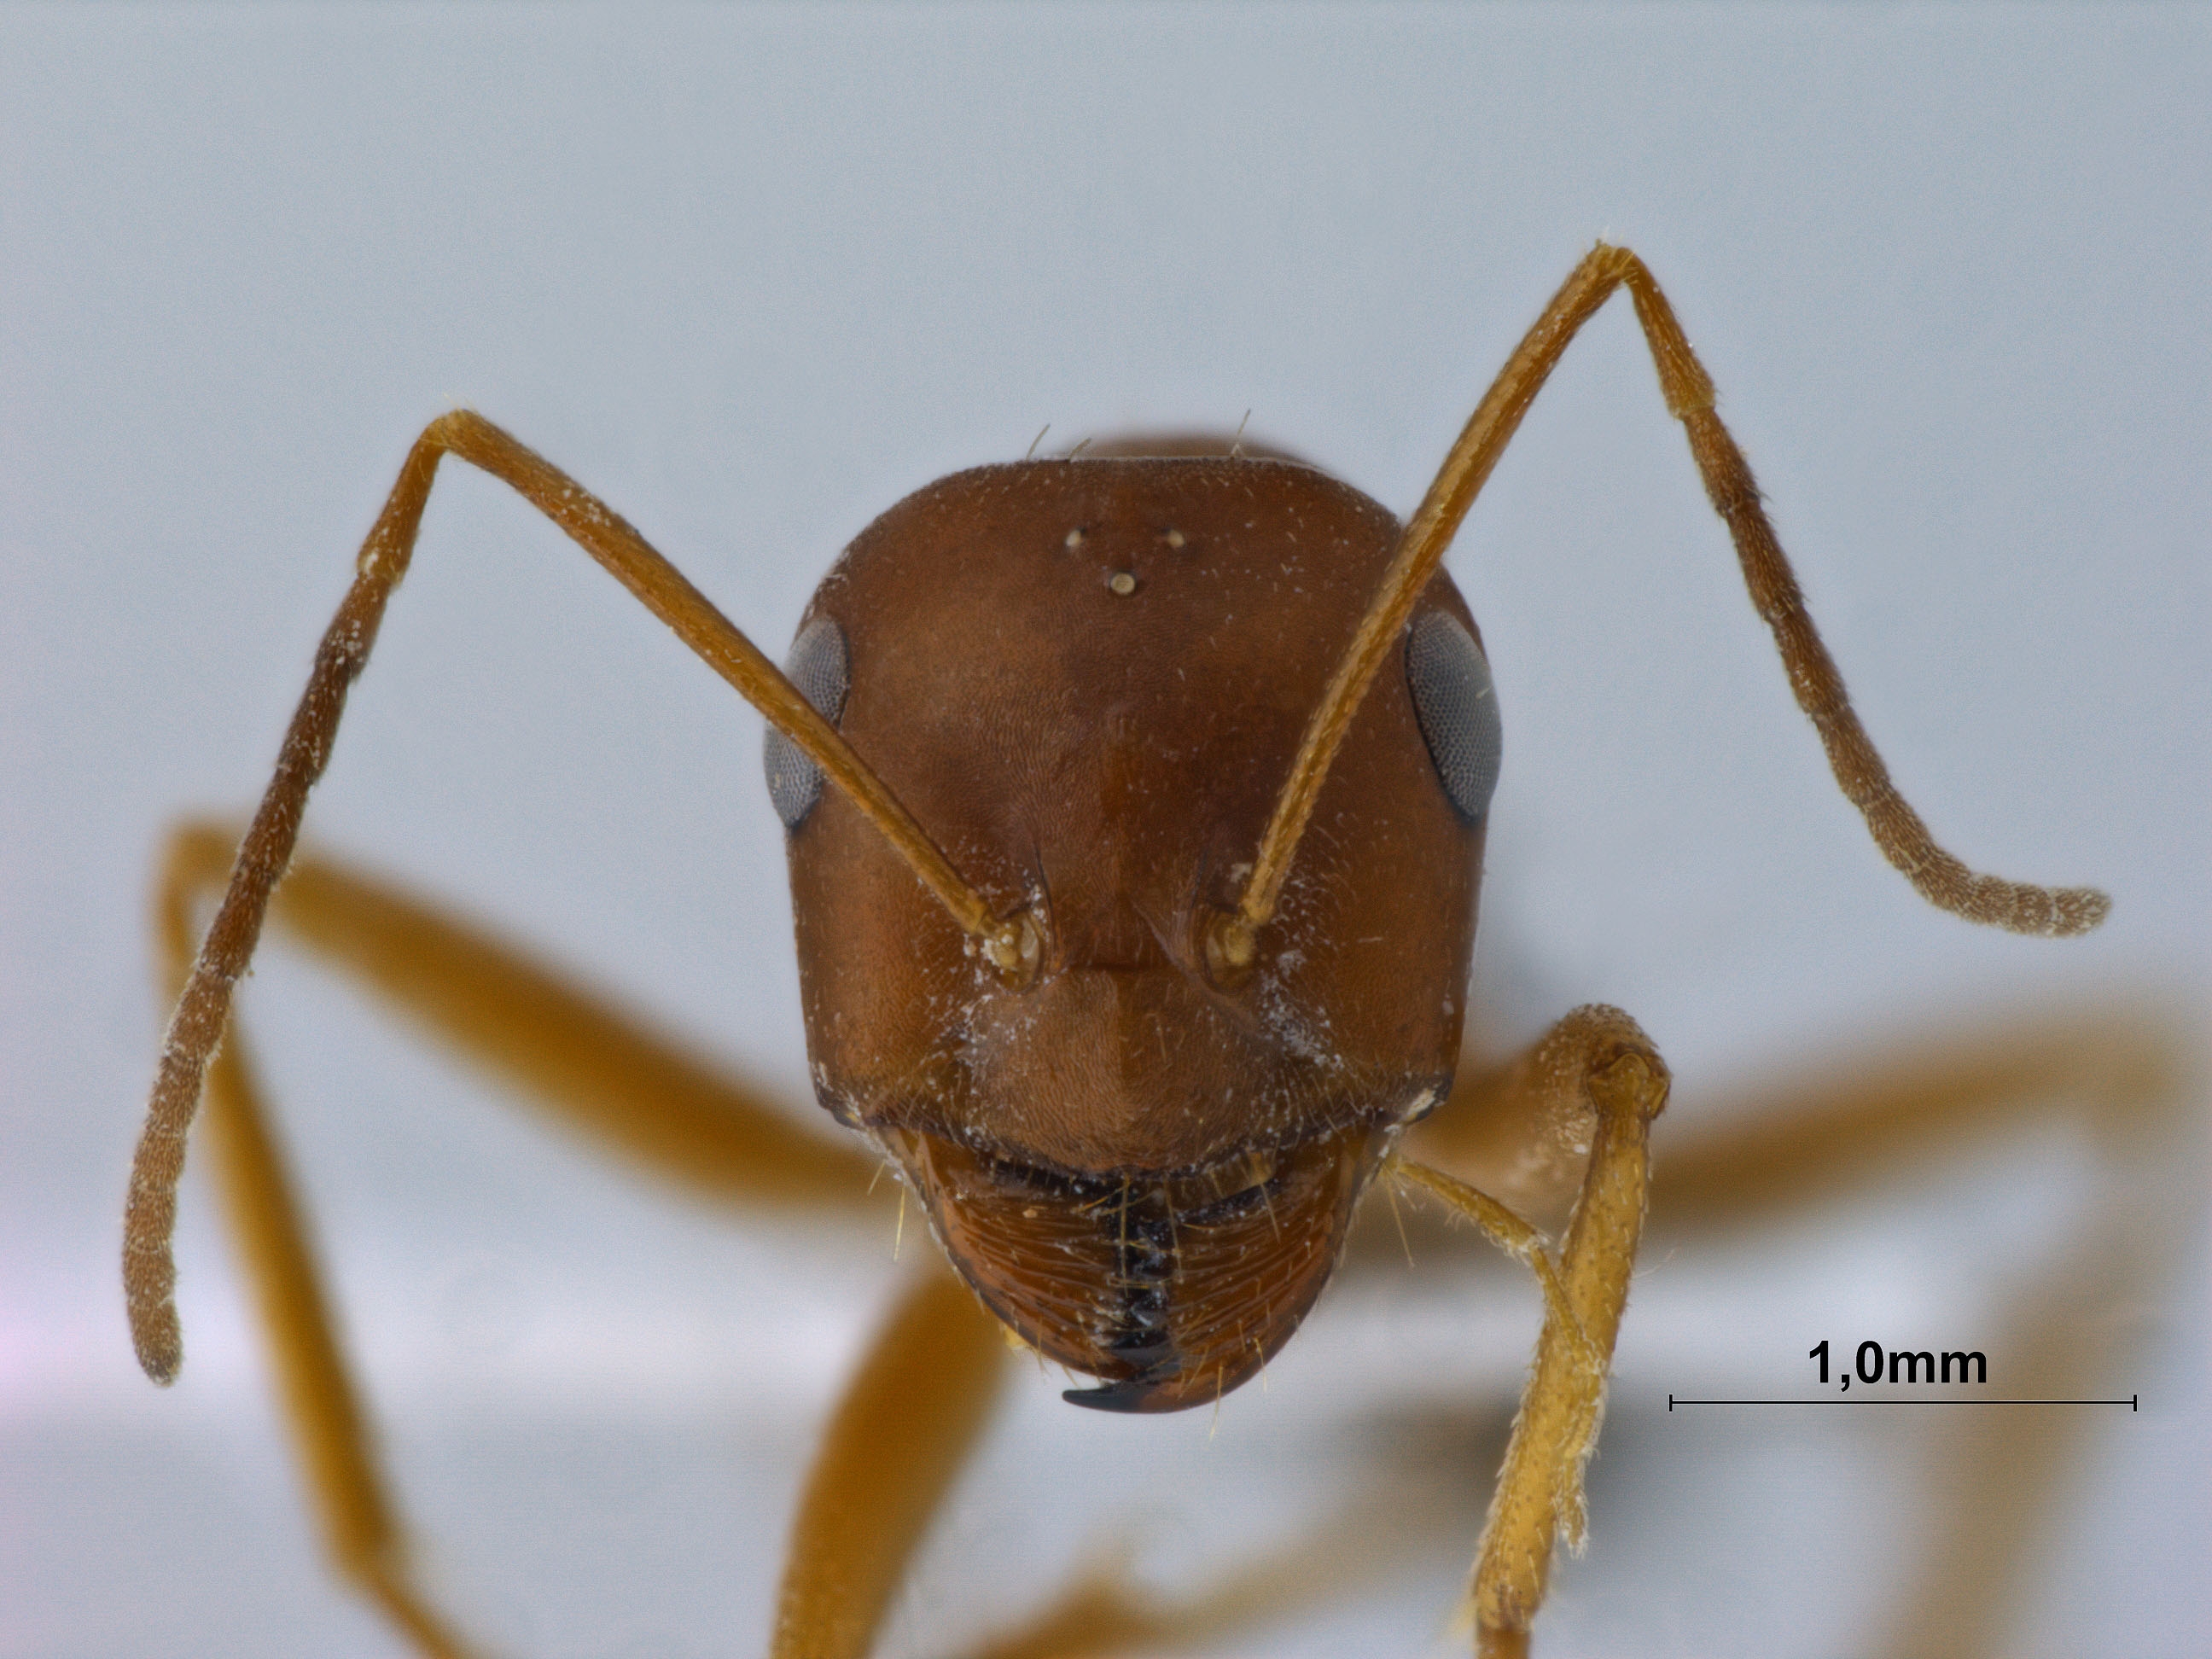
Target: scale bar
[2132,1402]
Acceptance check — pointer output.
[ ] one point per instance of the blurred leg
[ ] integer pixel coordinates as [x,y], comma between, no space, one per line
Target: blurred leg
[2120,1082]
[585,1063]
[897,1440]
[591,1068]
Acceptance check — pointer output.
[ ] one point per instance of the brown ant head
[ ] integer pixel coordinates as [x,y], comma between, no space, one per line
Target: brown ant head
[1087,680]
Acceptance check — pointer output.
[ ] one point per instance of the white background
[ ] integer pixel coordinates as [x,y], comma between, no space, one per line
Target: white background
[753,275]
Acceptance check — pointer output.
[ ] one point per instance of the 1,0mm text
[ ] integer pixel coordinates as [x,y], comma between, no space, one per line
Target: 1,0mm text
[1874,1363]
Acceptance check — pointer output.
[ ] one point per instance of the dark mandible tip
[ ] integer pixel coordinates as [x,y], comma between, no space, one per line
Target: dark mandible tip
[1132,1395]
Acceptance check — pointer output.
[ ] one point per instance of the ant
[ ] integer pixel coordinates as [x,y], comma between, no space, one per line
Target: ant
[1135,804]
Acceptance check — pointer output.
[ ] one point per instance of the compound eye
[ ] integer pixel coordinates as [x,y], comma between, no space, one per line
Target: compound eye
[1457,708]
[819,667]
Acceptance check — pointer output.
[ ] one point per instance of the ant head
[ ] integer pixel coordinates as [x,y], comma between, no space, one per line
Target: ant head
[1088,680]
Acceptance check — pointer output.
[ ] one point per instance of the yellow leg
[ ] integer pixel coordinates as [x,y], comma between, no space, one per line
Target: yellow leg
[2120,1075]
[897,1439]
[592,1069]
[1597,1059]
[330,1432]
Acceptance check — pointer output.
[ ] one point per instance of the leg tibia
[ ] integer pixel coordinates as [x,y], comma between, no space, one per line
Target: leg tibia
[895,1445]
[1597,1058]
[330,1429]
